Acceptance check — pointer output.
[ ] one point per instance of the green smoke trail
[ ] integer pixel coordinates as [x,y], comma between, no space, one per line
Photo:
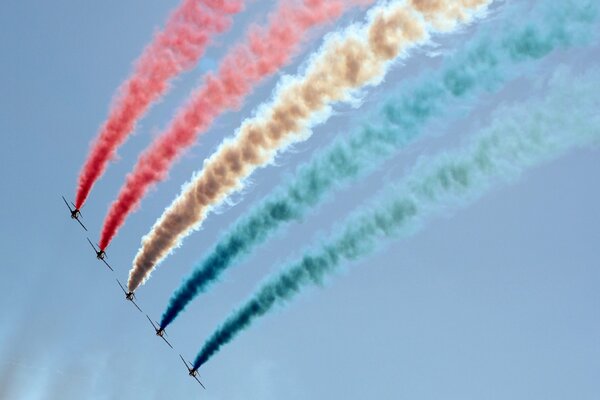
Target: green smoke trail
[520,136]
[489,59]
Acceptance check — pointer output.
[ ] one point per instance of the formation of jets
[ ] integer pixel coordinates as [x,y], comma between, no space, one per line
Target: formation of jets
[129,295]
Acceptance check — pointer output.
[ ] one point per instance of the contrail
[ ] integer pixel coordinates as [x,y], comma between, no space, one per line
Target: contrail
[265,50]
[176,48]
[520,136]
[480,65]
[349,60]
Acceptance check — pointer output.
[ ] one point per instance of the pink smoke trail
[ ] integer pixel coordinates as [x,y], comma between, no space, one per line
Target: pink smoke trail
[265,51]
[173,50]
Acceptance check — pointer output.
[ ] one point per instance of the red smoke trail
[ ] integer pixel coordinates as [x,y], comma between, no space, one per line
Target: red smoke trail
[186,35]
[266,50]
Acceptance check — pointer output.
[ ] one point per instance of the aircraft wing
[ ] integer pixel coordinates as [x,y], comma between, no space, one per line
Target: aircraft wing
[154,326]
[92,244]
[198,380]
[67,203]
[185,362]
[167,342]
[81,223]
[136,306]
[122,288]
[109,267]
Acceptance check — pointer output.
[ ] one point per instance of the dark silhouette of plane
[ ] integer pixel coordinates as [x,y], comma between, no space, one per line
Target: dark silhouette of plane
[75,212]
[100,254]
[193,372]
[160,332]
[129,296]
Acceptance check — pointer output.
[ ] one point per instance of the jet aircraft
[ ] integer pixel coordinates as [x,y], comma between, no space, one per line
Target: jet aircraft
[193,372]
[100,254]
[159,331]
[129,296]
[75,212]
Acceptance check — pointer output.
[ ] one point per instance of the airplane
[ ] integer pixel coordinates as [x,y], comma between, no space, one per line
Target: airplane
[159,331]
[75,212]
[129,296]
[100,254]
[193,372]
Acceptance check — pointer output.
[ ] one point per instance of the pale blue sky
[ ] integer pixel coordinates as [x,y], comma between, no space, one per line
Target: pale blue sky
[496,301]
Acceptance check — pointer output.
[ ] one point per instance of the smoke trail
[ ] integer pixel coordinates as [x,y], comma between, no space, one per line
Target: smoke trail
[348,61]
[265,50]
[175,49]
[482,64]
[520,136]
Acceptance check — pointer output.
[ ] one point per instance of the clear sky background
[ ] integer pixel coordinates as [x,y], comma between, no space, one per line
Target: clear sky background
[496,301]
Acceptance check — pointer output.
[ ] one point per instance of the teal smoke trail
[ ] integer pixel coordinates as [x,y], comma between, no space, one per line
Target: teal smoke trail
[519,137]
[482,64]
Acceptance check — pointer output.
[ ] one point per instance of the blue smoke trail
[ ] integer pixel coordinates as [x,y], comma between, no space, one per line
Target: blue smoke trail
[520,136]
[483,64]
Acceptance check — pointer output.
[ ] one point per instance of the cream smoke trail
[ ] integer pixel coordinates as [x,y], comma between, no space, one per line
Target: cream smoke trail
[349,60]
